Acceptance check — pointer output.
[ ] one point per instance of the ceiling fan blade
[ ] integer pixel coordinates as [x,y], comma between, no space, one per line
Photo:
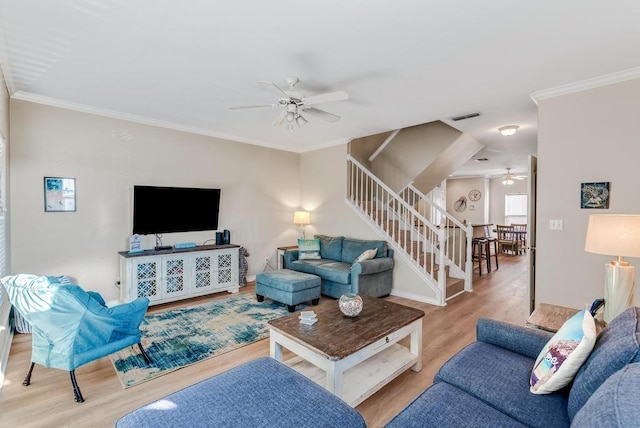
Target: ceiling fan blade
[325,98]
[274,88]
[256,106]
[329,117]
[280,118]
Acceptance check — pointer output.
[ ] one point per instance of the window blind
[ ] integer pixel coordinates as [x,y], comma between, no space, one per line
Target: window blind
[515,205]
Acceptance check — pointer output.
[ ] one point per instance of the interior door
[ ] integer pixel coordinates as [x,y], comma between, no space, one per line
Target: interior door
[531,228]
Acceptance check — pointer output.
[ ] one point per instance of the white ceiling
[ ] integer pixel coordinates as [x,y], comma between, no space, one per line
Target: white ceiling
[182,64]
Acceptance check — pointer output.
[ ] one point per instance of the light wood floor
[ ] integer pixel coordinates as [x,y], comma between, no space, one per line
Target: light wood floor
[48,402]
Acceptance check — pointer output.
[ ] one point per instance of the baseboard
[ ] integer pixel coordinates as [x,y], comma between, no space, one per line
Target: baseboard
[416,297]
[251,278]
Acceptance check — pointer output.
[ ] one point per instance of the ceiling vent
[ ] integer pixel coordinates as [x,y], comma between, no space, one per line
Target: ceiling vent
[465,116]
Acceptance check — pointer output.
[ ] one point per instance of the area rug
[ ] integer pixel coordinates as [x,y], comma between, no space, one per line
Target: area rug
[181,337]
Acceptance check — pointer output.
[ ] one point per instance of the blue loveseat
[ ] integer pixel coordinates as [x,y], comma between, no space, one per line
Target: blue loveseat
[487,383]
[339,271]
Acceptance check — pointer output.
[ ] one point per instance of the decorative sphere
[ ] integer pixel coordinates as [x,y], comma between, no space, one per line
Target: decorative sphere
[350,304]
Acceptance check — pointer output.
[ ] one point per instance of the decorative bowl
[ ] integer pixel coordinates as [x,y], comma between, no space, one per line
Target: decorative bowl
[350,304]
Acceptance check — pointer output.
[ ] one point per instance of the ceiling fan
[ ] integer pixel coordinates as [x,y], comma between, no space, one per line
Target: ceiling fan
[295,105]
[509,178]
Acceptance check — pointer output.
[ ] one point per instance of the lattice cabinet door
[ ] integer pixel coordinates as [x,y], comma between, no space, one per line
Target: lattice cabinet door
[175,275]
[147,278]
[203,273]
[214,270]
[227,268]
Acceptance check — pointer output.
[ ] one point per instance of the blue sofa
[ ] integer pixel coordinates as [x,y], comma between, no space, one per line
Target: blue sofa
[340,273]
[260,393]
[487,383]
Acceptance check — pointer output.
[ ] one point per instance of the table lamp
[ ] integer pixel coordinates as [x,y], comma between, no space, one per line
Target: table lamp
[615,235]
[302,218]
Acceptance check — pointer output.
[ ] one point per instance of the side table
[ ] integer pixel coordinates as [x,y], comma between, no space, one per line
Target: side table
[552,317]
[281,251]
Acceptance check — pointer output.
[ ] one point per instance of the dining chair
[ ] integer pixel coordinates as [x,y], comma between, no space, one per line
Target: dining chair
[507,239]
[520,230]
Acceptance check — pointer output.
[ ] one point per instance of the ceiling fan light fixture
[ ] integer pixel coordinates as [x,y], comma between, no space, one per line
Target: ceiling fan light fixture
[508,181]
[294,102]
[301,121]
[508,130]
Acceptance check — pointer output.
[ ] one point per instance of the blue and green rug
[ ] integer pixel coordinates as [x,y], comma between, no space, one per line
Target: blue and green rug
[181,337]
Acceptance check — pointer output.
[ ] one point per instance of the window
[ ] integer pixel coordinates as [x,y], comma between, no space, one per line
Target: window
[515,209]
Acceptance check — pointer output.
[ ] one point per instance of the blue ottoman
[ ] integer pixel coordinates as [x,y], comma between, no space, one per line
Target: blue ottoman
[260,393]
[288,287]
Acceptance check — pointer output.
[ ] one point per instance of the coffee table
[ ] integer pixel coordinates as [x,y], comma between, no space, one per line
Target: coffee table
[351,357]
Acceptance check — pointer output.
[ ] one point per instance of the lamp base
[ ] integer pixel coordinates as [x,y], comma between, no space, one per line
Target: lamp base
[618,290]
[301,232]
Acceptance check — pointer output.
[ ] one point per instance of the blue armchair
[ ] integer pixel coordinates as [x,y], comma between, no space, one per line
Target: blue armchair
[72,327]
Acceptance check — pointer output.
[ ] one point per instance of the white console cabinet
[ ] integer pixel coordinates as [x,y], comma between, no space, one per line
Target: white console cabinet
[168,275]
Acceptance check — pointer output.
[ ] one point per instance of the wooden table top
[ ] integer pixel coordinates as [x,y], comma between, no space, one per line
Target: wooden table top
[550,317]
[336,336]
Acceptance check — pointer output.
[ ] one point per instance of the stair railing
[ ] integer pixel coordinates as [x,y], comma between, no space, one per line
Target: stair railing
[458,239]
[412,235]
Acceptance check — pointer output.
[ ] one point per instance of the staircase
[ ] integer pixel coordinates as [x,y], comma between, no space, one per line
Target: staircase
[440,254]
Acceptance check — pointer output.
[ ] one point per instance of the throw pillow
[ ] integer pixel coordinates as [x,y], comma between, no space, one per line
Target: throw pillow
[564,354]
[367,255]
[309,249]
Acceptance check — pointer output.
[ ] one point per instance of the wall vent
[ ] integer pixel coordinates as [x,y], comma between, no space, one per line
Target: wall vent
[465,116]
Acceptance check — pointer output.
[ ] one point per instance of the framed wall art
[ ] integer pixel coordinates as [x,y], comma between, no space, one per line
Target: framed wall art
[594,195]
[59,194]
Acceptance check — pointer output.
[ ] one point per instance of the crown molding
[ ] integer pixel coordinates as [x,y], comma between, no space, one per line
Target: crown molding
[583,85]
[83,108]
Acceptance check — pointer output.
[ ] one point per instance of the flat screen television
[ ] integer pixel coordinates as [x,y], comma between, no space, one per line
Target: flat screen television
[174,209]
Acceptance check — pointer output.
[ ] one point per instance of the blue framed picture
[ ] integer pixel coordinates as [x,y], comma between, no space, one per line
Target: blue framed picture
[594,195]
[59,194]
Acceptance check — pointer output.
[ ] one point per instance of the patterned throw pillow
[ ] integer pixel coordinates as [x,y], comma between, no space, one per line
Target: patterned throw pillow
[309,249]
[564,354]
[367,255]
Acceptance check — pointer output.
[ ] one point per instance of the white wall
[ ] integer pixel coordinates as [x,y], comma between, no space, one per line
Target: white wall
[476,212]
[411,151]
[107,157]
[590,136]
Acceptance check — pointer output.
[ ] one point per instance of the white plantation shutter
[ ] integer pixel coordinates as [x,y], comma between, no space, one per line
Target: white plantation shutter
[5,331]
[3,206]
[515,208]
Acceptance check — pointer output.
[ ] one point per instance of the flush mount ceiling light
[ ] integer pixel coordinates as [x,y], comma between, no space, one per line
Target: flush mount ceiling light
[508,130]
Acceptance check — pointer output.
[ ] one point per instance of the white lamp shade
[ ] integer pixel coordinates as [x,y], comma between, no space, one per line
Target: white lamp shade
[301,217]
[613,235]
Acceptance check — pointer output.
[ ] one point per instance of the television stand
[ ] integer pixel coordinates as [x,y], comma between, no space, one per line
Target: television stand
[178,273]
